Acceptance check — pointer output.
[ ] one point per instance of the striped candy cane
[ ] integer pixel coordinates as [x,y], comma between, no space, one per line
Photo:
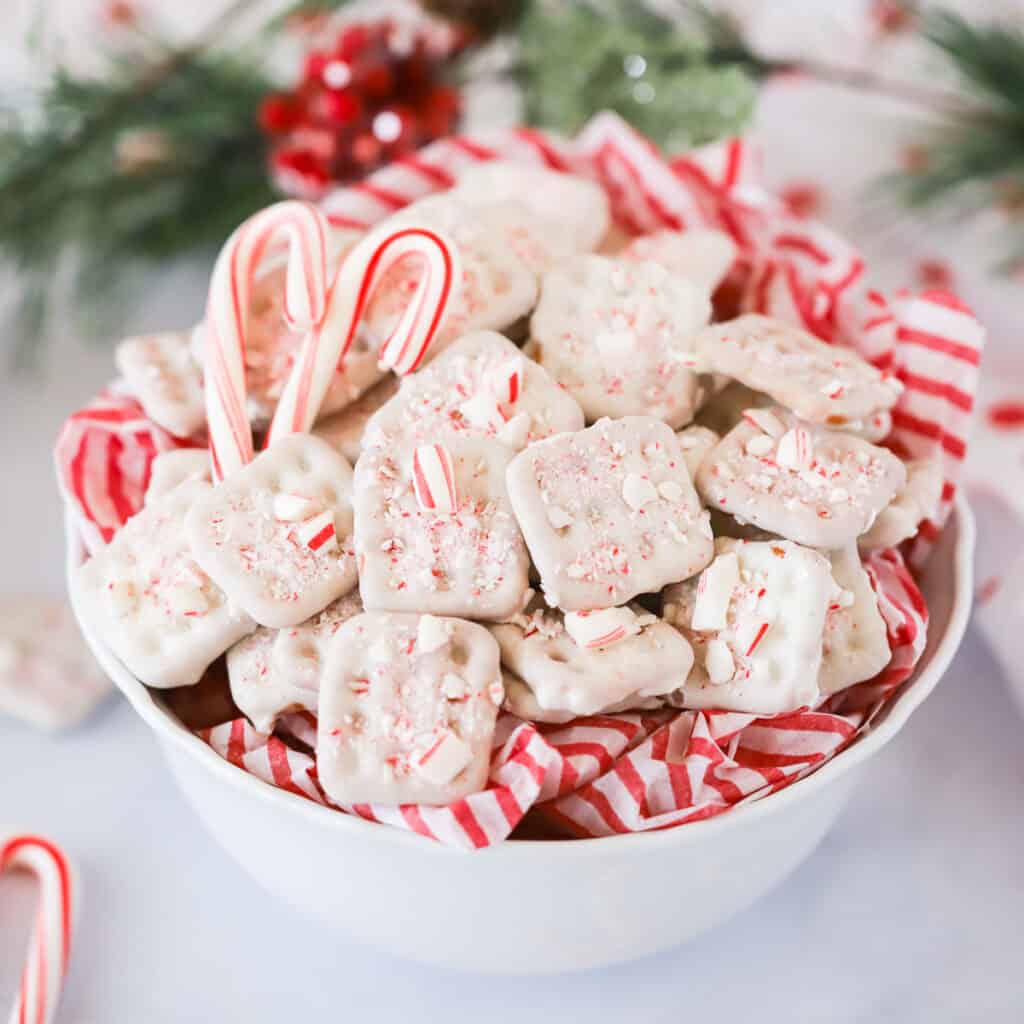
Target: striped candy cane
[305,229]
[357,277]
[47,963]
[433,479]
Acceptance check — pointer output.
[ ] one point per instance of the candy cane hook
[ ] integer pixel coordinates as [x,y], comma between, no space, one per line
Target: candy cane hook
[43,976]
[305,229]
[357,277]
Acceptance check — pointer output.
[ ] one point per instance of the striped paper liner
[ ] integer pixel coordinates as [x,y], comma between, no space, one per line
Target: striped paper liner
[624,773]
[609,774]
[103,456]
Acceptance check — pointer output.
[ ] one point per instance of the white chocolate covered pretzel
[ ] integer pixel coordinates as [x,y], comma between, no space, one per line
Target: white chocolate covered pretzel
[618,337]
[855,644]
[821,383]
[277,534]
[162,373]
[754,618]
[434,530]
[916,501]
[818,487]
[276,671]
[482,385]
[700,256]
[585,663]
[568,204]
[407,709]
[695,442]
[169,469]
[151,603]
[47,676]
[609,513]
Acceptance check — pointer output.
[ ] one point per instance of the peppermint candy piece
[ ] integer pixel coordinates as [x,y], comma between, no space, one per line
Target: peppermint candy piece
[434,479]
[714,592]
[507,381]
[601,627]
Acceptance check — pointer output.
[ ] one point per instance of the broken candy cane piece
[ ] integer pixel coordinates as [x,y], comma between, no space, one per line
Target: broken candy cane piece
[719,662]
[794,451]
[443,759]
[714,592]
[601,627]
[507,381]
[638,490]
[766,421]
[482,410]
[434,478]
[431,634]
[318,533]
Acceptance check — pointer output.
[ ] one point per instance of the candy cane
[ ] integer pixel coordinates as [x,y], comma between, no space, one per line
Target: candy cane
[47,963]
[433,479]
[305,229]
[357,277]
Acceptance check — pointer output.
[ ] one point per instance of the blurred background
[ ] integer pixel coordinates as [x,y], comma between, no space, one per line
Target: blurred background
[134,134]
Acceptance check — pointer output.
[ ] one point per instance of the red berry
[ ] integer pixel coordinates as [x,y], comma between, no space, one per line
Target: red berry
[341,106]
[316,61]
[277,114]
[378,81]
[352,41]
[366,150]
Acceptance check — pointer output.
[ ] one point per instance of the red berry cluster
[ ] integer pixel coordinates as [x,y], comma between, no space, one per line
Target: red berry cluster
[373,95]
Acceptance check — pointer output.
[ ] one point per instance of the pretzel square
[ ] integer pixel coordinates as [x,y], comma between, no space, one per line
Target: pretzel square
[162,374]
[274,671]
[609,513]
[481,385]
[856,642]
[617,335]
[277,535]
[151,603]
[169,469]
[821,488]
[471,562]
[563,675]
[408,705]
[755,619]
[821,383]
[568,204]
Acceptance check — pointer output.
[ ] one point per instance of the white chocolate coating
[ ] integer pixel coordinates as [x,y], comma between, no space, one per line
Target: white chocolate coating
[246,538]
[569,205]
[48,678]
[564,677]
[408,705]
[472,563]
[169,469]
[276,671]
[821,383]
[149,600]
[764,654]
[618,337]
[817,487]
[855,643]
[162,374]
[459,394]
[344,430]
[916,501]
[609,513]
[700,256]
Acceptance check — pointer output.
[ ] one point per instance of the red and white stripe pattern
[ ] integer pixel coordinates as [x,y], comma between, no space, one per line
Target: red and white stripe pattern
[506,381]
[610,774]
[46,965]
[305,229]
[103,458]
[433,479]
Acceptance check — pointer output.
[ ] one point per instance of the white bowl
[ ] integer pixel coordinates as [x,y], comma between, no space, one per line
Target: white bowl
[539,907]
